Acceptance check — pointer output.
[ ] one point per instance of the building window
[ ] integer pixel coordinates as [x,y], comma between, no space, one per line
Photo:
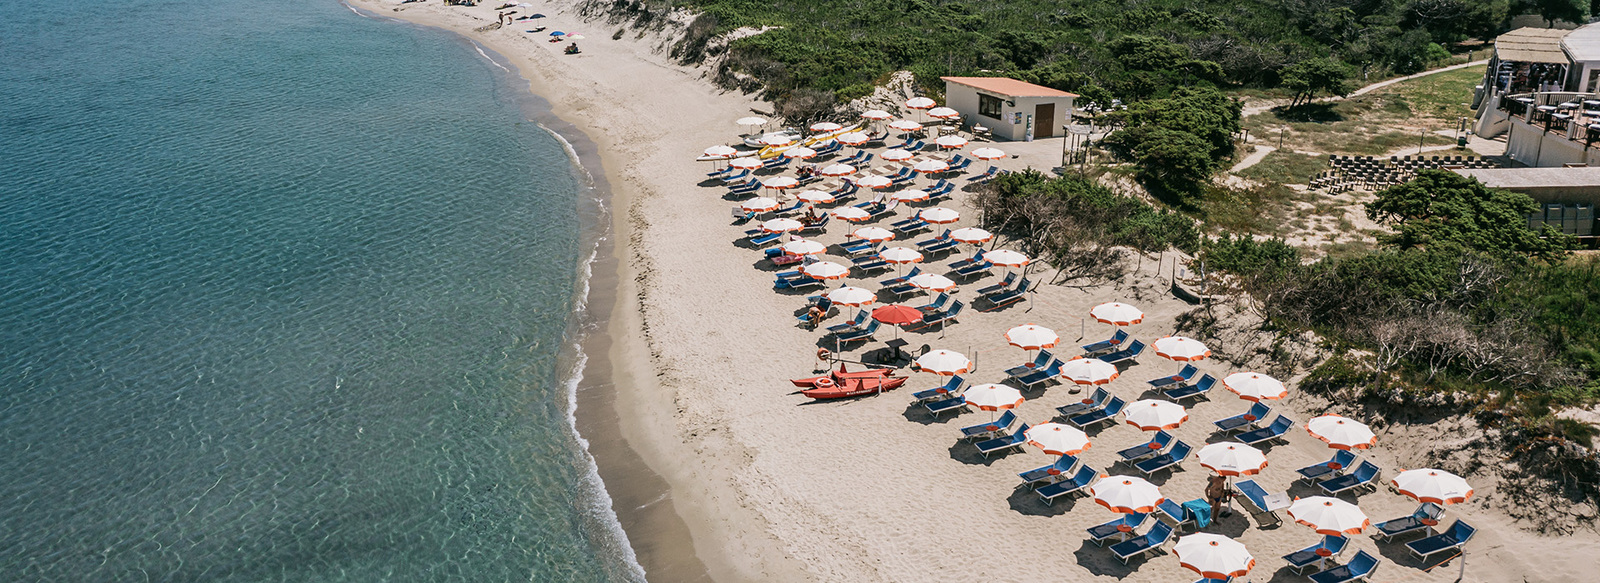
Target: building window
[989,106]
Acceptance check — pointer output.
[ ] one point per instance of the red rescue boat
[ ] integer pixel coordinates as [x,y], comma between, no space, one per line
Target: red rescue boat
[842,383]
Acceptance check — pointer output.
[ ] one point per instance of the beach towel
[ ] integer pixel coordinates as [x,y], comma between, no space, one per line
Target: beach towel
[1201,512]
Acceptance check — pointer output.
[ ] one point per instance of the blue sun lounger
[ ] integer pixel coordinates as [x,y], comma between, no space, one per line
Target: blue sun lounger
[901,279]
[1012,441]
[1008,297]
[1099,533]
[990,429]
[967,262]
[1250,418]
[871,264]
[954,386]
[1257,497]
[1366,475]
[1274,432]
[1158,535]
[939,247]
[1165,461]
[1305,557]
[1155,446]
[1110,411]
[1106,346]
[1061,469]
[1203,386]
[1029,380]
[1451,539]
[924,245]
[1043,359]
[861,334]
[1343,458]
[1130,354]
[937,305]
[1187,372]
[937,408]
[1095,402]
[942,317]
[1177,513]
[1085,476]
[1389,529]
[987,174]
[800,282]
[854,323]
[1359,568]
[1004,285]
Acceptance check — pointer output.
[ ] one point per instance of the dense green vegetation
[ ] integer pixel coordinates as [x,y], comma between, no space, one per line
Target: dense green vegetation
[1178,142]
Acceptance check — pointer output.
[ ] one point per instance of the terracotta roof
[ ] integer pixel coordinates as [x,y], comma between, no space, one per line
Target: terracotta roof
[1008,87]
[1531,45]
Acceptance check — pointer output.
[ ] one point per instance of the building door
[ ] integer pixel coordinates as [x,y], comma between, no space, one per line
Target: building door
[1044,124]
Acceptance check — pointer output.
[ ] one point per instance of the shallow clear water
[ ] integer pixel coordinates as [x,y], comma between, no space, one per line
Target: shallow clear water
[283,293]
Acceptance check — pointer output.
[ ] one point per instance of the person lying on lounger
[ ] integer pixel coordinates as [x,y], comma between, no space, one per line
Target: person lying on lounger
[572,49]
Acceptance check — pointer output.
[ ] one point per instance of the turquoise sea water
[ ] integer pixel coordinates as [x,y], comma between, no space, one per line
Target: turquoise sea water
[284,292]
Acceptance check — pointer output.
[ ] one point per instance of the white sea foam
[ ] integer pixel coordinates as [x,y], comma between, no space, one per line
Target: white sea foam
[486,57]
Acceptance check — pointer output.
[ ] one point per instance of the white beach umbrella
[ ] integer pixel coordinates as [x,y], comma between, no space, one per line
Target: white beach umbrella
[752,121]
[801,152]
[780,182]
[932,282]
[746,163]
[874,234]
[1089,371]
[826,126]
[939,215]
[943,362]
[1127,494]
[853,138]
[1116,314]
[988,153]
[930,166]
[804,247]
[825,270]
[759,204]
[1330,516]
[1155,414]
[837,170]
[1180,348]
[992,397]
[951,142]
[972,235]
[905,125]
[919,103]
[781,225]
[912,195]
[874,182]
[1007,258]
[896,155]
[720,152]
[777,139]
[1057,439]
[1431,485]
[1254,386]
[1341,432]
[852,296]
[943,113]
[851,214]
[900,255]
[1032,337]
[816,197]
[1232,459]
[877,115]
[1213,556]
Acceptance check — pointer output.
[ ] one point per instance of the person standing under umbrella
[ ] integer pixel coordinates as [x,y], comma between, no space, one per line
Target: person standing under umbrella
[1217,492]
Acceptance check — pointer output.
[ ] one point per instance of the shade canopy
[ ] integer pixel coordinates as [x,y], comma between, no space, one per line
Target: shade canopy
[900,255]
[971,235]
[799,152]
[780,182]
[720,152]
[1232,459]
[752,121]
[950,142]
[912,195]
[1032,337]
[1254,386]
[759,204]
[920,103]
[850,213]
[1007,258]
[877,115]
[1341,432]
[1057,439]
[898,315]
[931,166]
[874,182]
[852,296]
[826,126]
[988,153]
[993,397]
[746,163]
[1089,371]
[1127,494]
[932,282]
[1213,556]
[943,362]
[1155,414]
[943,113]
[837,170]
[1180,348]
[939,215]
[874,234]
[781,225]
[1116,314]
[1330,516]
[777,139]
[905,125]
[896,155]
[804,247]
[1431,485]
[816,197]
[853,138]
[825,270]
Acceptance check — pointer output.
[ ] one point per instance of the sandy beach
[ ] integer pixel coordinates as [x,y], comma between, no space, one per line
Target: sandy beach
[719,470]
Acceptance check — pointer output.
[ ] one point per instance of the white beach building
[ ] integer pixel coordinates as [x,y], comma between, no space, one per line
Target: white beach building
[1008,108]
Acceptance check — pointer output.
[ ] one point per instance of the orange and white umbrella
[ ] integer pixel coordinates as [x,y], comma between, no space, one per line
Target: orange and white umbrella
[900,255]
[816,197]
[804,247]
[1007,258]
[930,166]
[1032,337]
[825,270]
[905,125]
[1232,459]
[1116,314]
[1341,432]
[759,204]
[780,182]
[1330,516]
[852,296]
[1057,439]
[874,182]
[746,163]
[826,126]
[850,213]
[992,397]
[799,152]
[781,225]
[853,138]
[912,195]
[943,362]
[919,103]
[939,215]
[1430,485]
[1127,494]
[1254,386]
[951,142]
[720,152]
[1213,556]
[972,235]
[876,115]
[896,155]
[988,153]
[777,140]
[943,113]
[874,234]
[1089,371]
[932,282]
[752,121]
[837,170]
[1155,414]
[1180,348]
